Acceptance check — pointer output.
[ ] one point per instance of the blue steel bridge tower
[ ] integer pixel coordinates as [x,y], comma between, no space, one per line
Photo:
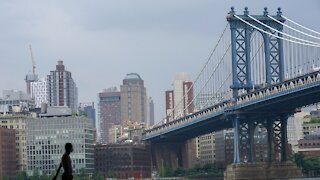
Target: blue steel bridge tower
[245,124]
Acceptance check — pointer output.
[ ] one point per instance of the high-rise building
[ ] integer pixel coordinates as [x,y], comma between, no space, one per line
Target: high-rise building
[88,110]
[8,166]
[17,122]
[109,110]
[179,104]
[62,90]
[29,79]
[133,100]
[179,100]
[46,139]
[39,92]
[151,112]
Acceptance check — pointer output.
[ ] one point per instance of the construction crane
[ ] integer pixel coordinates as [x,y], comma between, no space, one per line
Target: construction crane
[33,61]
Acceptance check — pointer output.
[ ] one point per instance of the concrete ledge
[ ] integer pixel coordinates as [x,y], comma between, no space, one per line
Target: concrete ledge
[262,171]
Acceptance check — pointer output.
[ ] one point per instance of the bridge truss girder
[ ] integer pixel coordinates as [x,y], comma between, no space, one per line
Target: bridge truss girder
[245,147]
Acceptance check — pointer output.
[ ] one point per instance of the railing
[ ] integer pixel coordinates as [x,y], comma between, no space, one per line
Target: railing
[285,86]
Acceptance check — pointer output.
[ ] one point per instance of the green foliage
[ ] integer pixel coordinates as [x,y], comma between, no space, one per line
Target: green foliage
[313,121]
[21,175]
[110,174]
[309,165]
[4,178]
[74,114]
[97,176]
[179,172]
[82,175]
[166,171]
[35,175]
[312,164]
[85,114]
[298,158]
[207,171]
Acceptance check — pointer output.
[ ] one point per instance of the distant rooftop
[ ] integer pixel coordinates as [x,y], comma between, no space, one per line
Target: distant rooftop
[133,76]
[57,111]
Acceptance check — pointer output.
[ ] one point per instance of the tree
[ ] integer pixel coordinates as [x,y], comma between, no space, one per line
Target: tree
[298,158]
[21,175]
[4,178]
[83,173]
[35,174]
[110,174]
[97,176]
[311,165]
[180,171]
[166,171]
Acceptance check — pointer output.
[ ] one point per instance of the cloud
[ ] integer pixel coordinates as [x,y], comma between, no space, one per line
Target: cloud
[100,41]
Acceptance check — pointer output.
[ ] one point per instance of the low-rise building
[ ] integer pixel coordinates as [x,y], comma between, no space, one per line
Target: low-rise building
[123,161]
[224,148]
[8,163]
[207,149]
[18,123]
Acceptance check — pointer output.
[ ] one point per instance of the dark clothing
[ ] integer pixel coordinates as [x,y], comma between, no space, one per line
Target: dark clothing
[67,167]
[66,177]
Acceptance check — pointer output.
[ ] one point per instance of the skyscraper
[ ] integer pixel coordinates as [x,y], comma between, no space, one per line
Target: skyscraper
[88,110]
[109,110]
[62,90]
[179,100]
[39,92]
[133,100]
[151,112]
[29,79]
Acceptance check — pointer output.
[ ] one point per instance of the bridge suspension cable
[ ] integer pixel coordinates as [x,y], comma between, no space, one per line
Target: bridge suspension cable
[293,37]
[300,25]
[198,78]
[299,59]
[283,24]
[279,37]
[211,85]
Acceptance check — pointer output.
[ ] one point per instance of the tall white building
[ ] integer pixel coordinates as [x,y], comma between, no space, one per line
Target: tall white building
[39,92]
[179,100]
[294,129]
[62,90]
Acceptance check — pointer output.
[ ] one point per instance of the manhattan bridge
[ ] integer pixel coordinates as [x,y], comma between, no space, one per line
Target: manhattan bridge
[261,71]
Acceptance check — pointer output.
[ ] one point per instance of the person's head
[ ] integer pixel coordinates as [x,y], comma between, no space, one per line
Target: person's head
[68,147]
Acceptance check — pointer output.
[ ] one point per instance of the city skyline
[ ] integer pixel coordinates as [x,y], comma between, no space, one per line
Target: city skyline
[162,37]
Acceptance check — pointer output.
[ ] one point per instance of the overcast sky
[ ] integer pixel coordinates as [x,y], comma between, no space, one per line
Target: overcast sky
[101,41]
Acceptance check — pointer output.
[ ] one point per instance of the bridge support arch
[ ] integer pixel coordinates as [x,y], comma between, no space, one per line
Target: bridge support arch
[173,154]
[245,164]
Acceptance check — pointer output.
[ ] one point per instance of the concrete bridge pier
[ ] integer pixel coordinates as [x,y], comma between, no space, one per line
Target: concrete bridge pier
[245,167]
[172,154]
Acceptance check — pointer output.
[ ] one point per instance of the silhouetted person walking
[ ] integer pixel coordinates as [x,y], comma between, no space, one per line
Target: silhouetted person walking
[66,163]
